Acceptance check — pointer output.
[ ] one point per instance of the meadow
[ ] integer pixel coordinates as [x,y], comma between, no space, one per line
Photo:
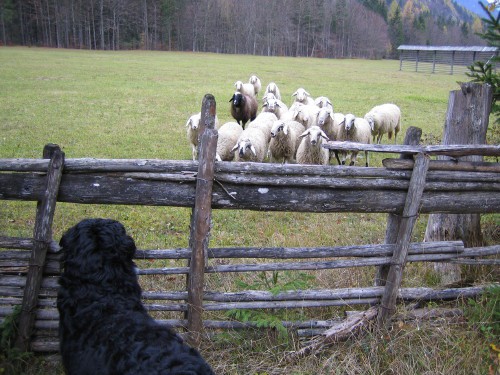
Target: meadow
[134,104]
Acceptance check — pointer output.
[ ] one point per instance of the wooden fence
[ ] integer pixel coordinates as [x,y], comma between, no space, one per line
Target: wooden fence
[29,268]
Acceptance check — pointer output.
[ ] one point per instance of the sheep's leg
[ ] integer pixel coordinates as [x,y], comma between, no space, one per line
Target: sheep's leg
[366,156]
[336,156]
[379,138]
[354,156]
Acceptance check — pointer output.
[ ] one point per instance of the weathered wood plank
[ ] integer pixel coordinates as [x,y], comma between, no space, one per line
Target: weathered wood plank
[42,237]
[445,165]
[306,252]
[449,150]
[201,220]
[408,219]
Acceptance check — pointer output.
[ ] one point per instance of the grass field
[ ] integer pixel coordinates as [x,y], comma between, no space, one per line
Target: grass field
[135,104]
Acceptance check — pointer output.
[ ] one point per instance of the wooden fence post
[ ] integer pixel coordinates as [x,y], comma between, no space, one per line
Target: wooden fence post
[42,237]
[201,220]
[408,219]
[412,138]
[467,120]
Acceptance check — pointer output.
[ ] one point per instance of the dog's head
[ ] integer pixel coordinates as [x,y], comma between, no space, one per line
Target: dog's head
[98,248]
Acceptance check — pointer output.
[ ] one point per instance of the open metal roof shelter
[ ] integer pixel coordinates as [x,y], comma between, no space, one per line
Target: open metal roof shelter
[443,59]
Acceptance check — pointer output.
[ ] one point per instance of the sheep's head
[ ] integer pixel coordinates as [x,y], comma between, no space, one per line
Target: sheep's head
[349,121]
[324,115]
[237,99]
[194,121]
[278,127]
[301,94]
[244,147]
[272,88]
[371,121]
[238,85]
[253,79]
[323,102]
[316,135]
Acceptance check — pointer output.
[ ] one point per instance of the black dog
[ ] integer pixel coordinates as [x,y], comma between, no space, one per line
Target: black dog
[104,328]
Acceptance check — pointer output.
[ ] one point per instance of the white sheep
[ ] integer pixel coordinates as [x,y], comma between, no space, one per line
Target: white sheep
[285,140]
[330,123]
[193,127]
[310,150]
[355,129]
[323,102]
[264,121]
[255,81]
[251,145]
[245,88]
[306,114]
[302,96]
[273,105]
[228,136]
[273,89]
[384,118]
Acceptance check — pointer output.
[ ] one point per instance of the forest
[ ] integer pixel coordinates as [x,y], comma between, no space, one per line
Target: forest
[316,28]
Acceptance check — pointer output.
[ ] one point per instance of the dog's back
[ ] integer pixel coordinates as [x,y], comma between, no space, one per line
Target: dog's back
[104,328]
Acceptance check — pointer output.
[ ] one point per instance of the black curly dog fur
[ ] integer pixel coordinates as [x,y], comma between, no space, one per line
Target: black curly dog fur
[104,328]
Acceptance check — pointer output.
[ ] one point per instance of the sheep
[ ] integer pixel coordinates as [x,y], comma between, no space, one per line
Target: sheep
[355,129]
[330,123]
[285,140]
[193,127]
[243,108]
[274,105]
[384,118]
[257,85]
[245,88]
[323,102]
[306,114]
[228,136]
[272,88]
[264,121]
[302,96]
[251,145]
[310,150]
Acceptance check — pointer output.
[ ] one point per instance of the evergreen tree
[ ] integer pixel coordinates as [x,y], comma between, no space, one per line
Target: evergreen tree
[484,72]
[396,33]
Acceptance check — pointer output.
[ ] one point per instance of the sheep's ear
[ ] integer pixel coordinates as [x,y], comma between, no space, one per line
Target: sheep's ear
[217,157]
[253,150]
[343,122]
[295,93]
[305,92]
[235,147]
[232,98]
[188,122]
[324,136]
[306,133]
[285,129]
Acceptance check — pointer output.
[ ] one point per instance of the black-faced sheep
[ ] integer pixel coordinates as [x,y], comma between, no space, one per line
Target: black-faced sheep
[251,146]
[285,140]
[243,108]
[310,150]
[355,129]
[228,136]
[385,118]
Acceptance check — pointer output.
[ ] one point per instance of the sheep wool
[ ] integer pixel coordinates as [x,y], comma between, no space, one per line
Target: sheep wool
[228,136]
[243,108]
[355,129]
[384,118]
[285,140]
[310,150]
[251,145]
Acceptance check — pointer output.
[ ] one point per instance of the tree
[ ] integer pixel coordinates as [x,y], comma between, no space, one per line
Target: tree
[396,34]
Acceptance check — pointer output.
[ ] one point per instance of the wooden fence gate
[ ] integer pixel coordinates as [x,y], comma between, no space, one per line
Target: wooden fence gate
[406,187]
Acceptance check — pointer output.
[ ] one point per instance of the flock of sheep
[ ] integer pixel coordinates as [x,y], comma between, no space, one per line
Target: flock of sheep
[292,134]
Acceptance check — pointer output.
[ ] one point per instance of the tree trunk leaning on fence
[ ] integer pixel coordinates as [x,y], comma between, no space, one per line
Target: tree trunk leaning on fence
[467,120]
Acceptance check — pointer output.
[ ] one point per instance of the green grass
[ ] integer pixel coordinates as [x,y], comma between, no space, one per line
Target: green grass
[134,104]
